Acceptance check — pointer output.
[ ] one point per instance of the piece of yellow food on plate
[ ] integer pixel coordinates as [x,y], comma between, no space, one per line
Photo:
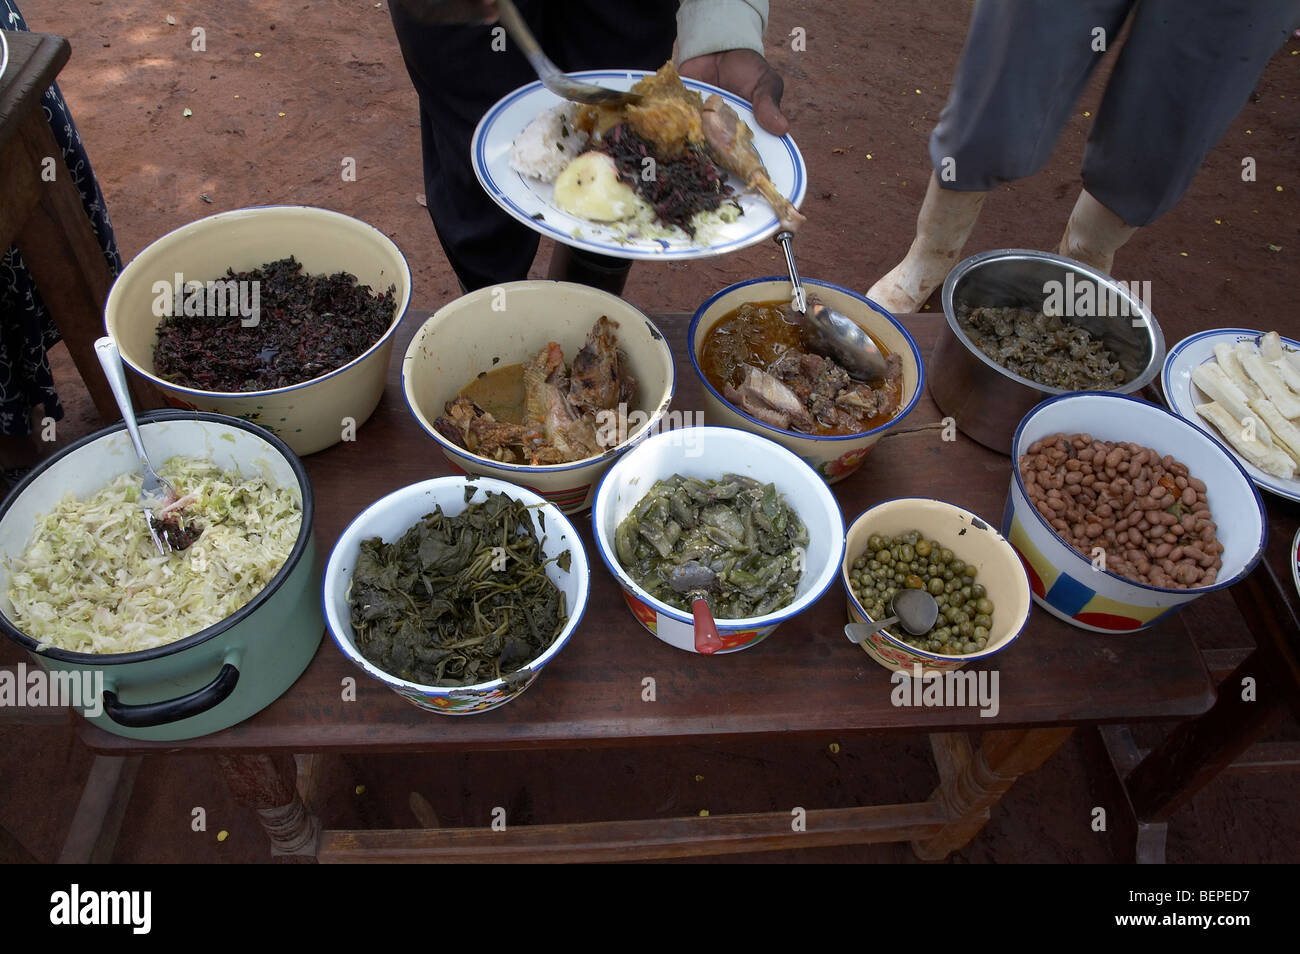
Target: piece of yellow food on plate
[1270,382]
[1230,364]
[1290,375]
[1270,346]
[589,187]
[1271,460]
[1286,434]
[1216,384]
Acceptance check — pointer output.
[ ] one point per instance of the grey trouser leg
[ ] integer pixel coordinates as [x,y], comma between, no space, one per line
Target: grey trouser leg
[1024,65]
[1184,73]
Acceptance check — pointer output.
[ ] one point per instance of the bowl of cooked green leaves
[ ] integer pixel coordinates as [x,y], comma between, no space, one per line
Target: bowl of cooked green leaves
[455,592]
[759,524]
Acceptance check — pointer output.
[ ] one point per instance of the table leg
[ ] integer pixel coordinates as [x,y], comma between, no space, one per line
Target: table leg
[971,782]
[267,783]
[1200,748]
[92,837]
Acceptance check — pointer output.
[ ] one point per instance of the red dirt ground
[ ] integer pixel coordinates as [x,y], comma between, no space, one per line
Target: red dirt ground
[329,83]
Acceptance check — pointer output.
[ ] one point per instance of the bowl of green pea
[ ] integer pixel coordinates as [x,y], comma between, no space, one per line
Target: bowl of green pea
[973,573]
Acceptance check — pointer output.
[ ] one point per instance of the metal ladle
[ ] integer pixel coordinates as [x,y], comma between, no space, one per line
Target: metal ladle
[915,610]
[552,77]
[841,337]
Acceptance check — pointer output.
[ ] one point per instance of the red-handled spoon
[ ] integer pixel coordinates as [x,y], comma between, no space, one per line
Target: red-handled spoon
[696,580]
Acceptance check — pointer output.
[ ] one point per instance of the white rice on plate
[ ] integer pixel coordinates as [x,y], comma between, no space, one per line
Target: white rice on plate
[643,225]
[548,143]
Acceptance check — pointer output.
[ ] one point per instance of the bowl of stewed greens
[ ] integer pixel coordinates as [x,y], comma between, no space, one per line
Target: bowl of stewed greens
[455,592]
[763,523]
[961,560]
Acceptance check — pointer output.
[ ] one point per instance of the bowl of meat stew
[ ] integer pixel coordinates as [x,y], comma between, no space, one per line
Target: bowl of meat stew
[539,383]
[762,373]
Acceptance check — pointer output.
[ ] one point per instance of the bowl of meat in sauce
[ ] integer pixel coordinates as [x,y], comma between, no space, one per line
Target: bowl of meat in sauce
[542,384]
[762,373]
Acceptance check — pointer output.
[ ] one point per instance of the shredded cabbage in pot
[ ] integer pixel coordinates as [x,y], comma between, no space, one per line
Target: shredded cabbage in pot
[92,581]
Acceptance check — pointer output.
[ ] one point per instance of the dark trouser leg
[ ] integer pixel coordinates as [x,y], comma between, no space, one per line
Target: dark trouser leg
[635,36]
[1024,65]
[1185,72]
[458,76]
[570,264]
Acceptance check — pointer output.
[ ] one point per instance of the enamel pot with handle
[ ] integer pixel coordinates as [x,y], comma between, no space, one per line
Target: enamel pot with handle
[218,676]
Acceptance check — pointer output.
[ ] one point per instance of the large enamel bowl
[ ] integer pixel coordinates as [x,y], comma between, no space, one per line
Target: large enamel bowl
[834,458]
[1064,581]
[708,453]
[308,416]
[974,542]
[220,675]
[508,324]
[389,518]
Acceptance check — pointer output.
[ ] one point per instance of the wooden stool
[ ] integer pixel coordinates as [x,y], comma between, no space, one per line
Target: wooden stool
[46,219]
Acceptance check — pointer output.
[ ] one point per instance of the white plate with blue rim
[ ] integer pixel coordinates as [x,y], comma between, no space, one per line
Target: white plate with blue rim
[531,201]
[1182,395]
[1295,561]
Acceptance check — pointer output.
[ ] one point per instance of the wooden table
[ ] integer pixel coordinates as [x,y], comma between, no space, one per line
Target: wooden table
[1255,691]
[806,679]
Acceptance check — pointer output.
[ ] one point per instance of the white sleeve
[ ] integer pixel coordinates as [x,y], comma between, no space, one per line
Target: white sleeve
[711,26]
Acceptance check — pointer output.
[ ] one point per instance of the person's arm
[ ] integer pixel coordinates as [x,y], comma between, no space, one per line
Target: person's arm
[715,26]
[721,42]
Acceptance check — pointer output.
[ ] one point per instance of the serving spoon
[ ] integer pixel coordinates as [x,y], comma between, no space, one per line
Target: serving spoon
[696,580]
[915,610]
[552,77]
[840,337]
[155,491]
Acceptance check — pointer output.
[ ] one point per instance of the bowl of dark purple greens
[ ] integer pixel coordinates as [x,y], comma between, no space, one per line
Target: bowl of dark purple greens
[280,315]
[455,592]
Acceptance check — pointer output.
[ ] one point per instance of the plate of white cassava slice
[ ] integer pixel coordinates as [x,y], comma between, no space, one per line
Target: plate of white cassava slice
[1243,388]
[687,173]
[1295,561]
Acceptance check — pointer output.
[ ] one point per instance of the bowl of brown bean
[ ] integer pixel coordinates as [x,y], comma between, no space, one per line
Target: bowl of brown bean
[961,560]
[1123,513]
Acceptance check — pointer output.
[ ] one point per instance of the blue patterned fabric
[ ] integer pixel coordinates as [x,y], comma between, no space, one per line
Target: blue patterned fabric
[27,331]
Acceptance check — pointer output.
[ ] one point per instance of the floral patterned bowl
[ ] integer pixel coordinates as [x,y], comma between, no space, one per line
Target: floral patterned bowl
[975,542]
[834,458]
[390,517]
[709,453]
